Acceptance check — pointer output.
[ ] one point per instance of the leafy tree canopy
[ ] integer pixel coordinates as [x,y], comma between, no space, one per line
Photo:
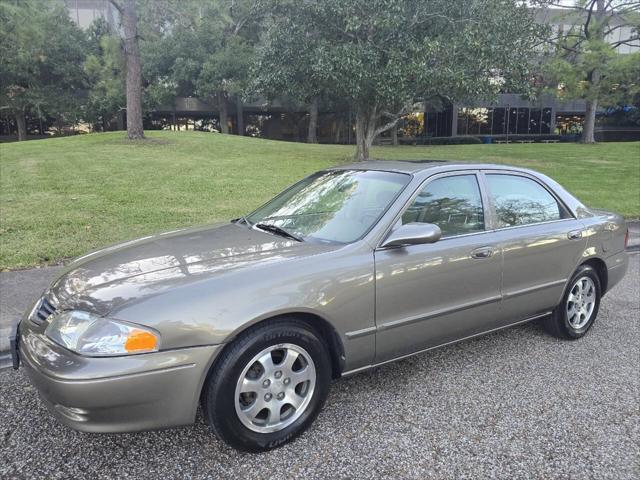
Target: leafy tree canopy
[385,55]
[41,53]
[584,62]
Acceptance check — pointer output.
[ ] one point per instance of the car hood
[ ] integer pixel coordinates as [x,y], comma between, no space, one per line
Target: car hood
[109,278]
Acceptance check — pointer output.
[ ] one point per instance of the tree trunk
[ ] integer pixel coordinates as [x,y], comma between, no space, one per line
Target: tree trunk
[588,130]
[21,123]
[366,119]
[239,116]
[134,71]
[312,136]
[224,115]
[394,135]
[338,129]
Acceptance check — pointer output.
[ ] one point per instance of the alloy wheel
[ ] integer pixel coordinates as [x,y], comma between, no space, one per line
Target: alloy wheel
[275,388]
[581,302]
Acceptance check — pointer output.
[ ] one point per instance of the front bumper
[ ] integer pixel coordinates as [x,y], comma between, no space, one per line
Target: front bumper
[116,394]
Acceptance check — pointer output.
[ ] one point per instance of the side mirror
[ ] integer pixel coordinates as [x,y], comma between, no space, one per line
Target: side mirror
[413,234]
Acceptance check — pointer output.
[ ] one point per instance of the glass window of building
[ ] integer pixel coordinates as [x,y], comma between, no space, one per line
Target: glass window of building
[501,121]
[512,121]
[462,121]
[430,123]
[534,120]
[473,124]
[523,121]
[485,117]
[545,127]
[498,121]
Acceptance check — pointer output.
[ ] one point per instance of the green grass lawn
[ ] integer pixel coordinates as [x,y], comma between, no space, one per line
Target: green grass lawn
[63,197]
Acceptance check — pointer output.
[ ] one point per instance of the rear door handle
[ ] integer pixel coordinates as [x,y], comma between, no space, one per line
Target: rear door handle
[482,252]
[574,235]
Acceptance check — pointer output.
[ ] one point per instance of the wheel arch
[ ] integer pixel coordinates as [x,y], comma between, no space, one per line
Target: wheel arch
[601,270]
[324,329]
[315,322]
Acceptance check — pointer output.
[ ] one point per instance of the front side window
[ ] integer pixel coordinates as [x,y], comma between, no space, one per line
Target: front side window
[332,206]
[521,201]
[453,203]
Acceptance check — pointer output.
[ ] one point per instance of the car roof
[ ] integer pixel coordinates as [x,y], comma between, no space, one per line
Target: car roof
[417,166]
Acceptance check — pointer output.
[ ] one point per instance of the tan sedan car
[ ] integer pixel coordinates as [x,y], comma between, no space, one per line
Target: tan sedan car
[348,269]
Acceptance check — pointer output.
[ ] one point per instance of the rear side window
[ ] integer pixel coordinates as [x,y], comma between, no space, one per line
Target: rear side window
[453,203]
[521,201]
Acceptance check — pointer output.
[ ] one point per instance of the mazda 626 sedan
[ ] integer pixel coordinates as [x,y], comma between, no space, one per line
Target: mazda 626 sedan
[350,268]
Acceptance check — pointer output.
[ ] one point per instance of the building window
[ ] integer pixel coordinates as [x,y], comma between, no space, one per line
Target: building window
[523,121]
[567,124]
[462,121]
[546,121]
[512,121]
[501,121]
[498,121]
[486,121]
[438,124]
[473,123]
[534,121]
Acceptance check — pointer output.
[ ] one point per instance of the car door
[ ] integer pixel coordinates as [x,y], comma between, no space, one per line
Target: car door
[435,293]
[541,243]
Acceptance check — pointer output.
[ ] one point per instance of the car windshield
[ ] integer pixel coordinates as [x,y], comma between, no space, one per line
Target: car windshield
[331,206]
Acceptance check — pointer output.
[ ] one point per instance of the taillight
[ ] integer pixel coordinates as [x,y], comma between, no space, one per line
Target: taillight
[626,239]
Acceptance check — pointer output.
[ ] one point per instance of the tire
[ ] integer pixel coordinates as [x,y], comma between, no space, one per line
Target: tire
[225,398]
[577,311]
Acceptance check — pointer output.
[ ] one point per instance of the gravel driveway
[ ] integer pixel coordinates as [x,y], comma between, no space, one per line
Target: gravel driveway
[514,404]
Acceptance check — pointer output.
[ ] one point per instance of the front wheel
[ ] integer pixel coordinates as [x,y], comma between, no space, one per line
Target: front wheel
[579,306]
[268,385]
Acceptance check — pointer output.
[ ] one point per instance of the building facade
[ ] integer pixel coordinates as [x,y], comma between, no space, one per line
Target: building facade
[85,12]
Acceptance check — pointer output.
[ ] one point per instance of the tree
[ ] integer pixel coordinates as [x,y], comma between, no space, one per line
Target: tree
[41,54]
[129,18]
[274,77]
[223,75]
[583,61]
[203,48]
[231,33]
[384,56]
[104,67]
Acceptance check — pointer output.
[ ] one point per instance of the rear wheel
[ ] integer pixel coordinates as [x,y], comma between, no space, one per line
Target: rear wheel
[268,385]
[579,306]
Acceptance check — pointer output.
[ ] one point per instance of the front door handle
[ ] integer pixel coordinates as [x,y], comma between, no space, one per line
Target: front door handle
[574,235]
[482,252]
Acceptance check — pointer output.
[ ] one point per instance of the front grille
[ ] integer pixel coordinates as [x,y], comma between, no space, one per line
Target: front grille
[43,311]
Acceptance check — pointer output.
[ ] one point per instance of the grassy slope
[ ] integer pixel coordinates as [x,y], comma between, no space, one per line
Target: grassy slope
[62,197]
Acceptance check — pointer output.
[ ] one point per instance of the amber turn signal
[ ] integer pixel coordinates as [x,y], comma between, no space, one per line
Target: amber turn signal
[140,341]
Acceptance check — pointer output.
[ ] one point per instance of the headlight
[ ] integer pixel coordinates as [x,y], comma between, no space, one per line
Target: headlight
[88,334]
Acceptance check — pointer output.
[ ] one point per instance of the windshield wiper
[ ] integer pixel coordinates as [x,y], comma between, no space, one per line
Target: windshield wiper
[277,230]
